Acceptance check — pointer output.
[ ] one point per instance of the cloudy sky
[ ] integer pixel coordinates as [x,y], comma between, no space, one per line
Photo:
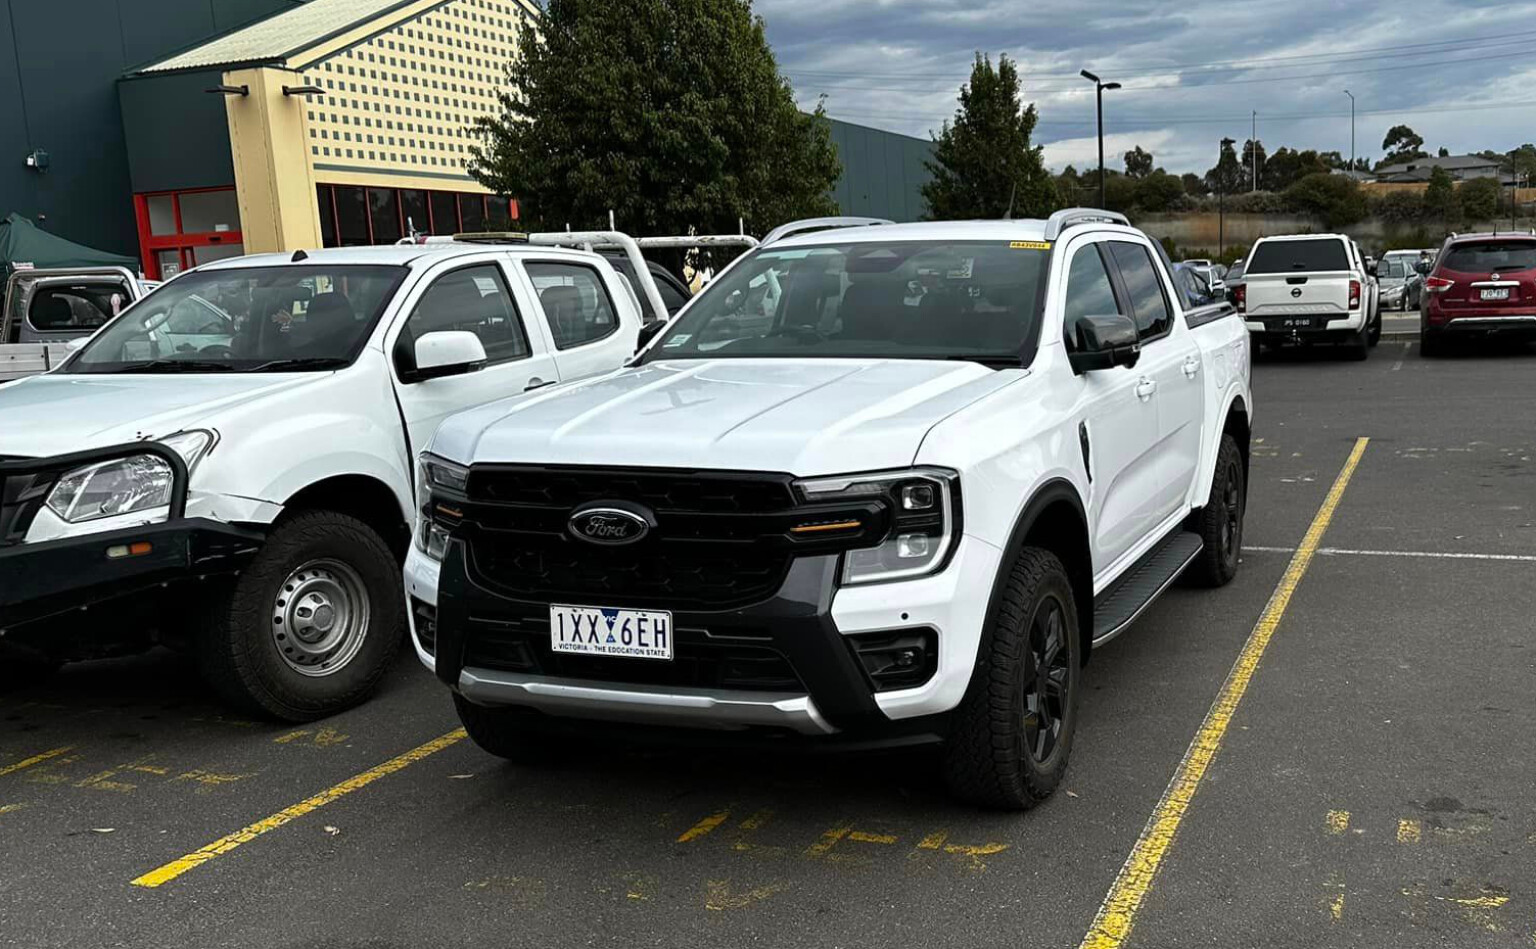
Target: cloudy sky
[1462,73]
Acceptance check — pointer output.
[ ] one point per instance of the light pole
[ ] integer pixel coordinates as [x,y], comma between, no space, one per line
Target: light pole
[1351,131]
[1099,88]
[1253,150]
[1221,203]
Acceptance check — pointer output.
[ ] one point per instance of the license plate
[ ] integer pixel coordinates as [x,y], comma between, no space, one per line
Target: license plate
[1497,293]
[604,631]
[1294,323]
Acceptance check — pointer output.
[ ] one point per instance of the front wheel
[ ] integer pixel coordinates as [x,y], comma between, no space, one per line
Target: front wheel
[1373,335]
[1013,731]
[1220,522]
[310,627]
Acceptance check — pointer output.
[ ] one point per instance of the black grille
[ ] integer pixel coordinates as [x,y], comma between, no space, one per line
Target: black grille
[699,661]
[662,490]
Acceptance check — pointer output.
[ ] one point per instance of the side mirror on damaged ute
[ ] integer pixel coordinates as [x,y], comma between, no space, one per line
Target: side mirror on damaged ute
[1103,342]
[447,353]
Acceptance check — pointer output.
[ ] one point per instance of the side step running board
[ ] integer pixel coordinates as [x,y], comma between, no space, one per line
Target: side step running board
[1117,607]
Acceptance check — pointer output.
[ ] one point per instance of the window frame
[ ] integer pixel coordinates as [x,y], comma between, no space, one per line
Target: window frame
[407,375]
[602,283]
[1116,275]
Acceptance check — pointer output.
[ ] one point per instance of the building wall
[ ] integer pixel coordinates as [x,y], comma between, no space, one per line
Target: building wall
[883,172]
[59,64]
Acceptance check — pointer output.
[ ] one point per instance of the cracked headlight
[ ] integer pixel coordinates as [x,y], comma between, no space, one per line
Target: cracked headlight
[124,485]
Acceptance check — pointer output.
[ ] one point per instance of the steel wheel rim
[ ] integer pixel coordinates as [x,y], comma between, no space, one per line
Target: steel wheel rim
[319,617]
[1047,680]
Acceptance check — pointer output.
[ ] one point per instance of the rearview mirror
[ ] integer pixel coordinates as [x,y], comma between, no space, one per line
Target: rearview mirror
[649,332]
[447,353]
[1103,342]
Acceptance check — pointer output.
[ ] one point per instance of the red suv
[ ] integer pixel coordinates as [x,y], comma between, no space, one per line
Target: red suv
[1480,283]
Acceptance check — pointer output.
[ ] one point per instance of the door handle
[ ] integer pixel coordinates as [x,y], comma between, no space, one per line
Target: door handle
[537,383]
[1145,388]
[1191,367]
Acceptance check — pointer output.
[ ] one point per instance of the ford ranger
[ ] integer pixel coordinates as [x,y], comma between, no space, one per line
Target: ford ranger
[874,486]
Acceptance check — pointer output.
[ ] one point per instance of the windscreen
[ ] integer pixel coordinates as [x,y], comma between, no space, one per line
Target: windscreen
[246,319]
[903,299]
[1490,257]
[1300,256]
[1392,268]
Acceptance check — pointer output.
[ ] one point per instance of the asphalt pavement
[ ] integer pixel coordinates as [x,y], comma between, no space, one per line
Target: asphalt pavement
[1371,786]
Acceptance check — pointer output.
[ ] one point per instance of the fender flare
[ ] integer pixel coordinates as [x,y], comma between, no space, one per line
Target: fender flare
[1208,457]
[1051,492]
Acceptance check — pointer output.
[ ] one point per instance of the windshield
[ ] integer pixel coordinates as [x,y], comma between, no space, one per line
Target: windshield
[902,300]
[1392,268]
[248,319]
[1299,256]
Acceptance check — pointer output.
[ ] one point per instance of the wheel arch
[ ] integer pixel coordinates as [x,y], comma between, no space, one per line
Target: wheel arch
[1237,422]
[361,496]
[1055,520]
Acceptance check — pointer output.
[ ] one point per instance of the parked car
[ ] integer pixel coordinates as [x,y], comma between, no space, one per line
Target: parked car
[1192,283]
[45,309]
[228,466]
[1479,284]
[1392,279]
[1309,288]
[1413,287]
[1212,274]
[900,506]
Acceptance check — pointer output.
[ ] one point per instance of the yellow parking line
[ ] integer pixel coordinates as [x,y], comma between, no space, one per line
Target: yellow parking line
[35,759]
[1112,926]
[229,842]
[703,827]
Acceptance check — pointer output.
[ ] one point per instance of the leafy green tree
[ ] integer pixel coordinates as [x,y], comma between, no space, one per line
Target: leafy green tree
[1120,193]
[1252,151]
[1440,197]
[1522,161]
[1399,207]
[984,159]
[1402,144]
[1138,163]
[671,113]
[1227,175]
[1444,152]
[1334,198]
[1194,185]
[1159,191]
[1479,198]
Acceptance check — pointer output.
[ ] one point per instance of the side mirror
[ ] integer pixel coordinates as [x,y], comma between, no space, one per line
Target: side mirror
[1103,342]
[649,332]
[1370,268]
[447,353]
[1421,267]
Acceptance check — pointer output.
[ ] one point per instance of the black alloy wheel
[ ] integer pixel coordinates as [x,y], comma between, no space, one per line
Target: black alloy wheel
[1047,681]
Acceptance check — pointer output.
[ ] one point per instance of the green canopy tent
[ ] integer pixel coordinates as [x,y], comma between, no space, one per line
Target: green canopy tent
[23,246]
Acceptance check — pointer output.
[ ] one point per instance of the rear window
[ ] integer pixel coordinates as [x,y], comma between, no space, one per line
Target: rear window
[1491,256]
[1305,256]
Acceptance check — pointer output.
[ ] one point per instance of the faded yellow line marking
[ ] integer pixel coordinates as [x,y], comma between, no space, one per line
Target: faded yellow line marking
[1336,907]
[1117,915]
[757,819]
[933,841]
[720,896]
[827,842]
[1409,831]
[868,838]
[195,859]
[703,827]
[29,762]
[1338,822]
[10,808]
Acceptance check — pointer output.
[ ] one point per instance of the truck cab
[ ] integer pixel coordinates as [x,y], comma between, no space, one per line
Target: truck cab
[44,309]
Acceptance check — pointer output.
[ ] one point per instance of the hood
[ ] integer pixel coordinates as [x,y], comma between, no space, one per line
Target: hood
[56,413]
[802,416]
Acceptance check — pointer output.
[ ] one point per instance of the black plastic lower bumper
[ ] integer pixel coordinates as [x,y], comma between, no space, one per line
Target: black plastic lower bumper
[48,581]
[795,624]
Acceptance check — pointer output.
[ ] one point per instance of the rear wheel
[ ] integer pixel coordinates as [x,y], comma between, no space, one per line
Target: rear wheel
[1220,522]
[1431,345]
[1373,335]
[506,733]
[310,627]
[1013,731]
[1358,348]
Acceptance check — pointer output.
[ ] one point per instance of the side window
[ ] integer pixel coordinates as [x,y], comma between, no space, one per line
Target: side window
[671,296]
[1149,302]
[73,308]
[575,302]
[474,299]
[1089,292]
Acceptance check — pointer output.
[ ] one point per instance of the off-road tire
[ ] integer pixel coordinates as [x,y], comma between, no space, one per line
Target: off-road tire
[1358,349]
[235,648]
[1216,524]
[505,733]
[1373,334]
[985,759]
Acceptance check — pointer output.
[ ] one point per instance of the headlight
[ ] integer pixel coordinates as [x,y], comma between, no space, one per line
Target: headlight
[433,472]
[124,485]
[925,517]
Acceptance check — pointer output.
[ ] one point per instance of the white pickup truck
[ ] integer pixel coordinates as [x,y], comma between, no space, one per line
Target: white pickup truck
[1310,288]
[229,463]
[895,500]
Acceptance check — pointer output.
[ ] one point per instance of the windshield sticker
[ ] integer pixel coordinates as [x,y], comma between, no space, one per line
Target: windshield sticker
[1029,245]
[678,340]
[962,272]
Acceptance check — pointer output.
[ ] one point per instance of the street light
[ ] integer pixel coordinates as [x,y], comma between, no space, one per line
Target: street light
[1099,88]
[1221,203]
[1351,131]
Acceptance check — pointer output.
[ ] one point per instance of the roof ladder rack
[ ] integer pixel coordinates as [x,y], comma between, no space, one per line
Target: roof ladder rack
[1067,217]
[820,224]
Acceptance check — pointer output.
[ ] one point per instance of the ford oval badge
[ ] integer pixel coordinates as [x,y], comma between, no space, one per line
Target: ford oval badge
[608,525]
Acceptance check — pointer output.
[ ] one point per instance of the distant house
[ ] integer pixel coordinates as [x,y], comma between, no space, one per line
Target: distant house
[1460,167]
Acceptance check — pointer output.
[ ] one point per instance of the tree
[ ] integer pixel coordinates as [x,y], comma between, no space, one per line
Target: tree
[1399,207]
[1194,185]
[1334,198]
[1280,169]
[1138,164]
[1479,198]
[1159,191]
[983,159]
[1440,197]
[1444,152]
[1522,161]
[671,113]
[1228,174]
[1251,147]
[1401,144]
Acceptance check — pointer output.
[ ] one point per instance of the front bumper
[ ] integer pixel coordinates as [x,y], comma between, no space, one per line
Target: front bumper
[808,622]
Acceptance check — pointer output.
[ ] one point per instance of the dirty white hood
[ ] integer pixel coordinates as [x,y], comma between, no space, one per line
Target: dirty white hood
[802,416]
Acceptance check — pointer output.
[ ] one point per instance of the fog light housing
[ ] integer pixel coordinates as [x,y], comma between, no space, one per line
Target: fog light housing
[896,659]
